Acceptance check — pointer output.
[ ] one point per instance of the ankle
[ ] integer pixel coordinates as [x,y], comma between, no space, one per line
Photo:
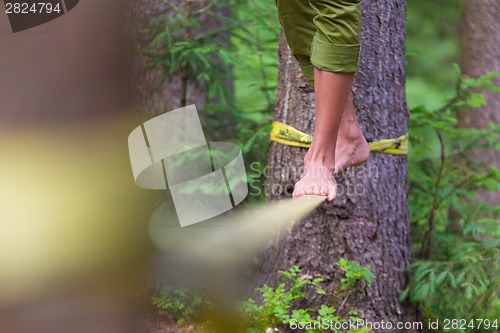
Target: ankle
[319,161]
[352,135]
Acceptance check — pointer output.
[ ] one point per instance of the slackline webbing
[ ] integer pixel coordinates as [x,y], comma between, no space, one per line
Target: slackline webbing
[287,135]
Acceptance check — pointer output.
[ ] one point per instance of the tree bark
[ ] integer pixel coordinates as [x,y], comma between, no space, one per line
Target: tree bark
[480,48]
[368,222]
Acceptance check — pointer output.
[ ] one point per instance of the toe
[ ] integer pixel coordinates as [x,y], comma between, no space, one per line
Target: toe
[298,192]
[332,193]
[309,189]
[316,190]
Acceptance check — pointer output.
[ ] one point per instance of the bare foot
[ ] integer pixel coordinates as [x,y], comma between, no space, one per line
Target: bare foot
[332,94]
[351,148]
[351,153]
[316,180]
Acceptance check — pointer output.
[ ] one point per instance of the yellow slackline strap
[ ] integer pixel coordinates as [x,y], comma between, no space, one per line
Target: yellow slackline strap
[287,135]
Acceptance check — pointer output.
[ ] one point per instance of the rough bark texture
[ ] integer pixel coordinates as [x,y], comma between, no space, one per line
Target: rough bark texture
[368,222]
[480,55]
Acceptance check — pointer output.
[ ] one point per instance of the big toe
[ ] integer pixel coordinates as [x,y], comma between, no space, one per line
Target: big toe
[298,191]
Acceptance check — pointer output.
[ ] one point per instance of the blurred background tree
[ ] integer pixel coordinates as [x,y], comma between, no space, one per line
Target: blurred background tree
[453,176]
[433,35]
[480,54]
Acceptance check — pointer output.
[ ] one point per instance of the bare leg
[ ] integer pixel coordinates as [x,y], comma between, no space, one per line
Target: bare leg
[331,90]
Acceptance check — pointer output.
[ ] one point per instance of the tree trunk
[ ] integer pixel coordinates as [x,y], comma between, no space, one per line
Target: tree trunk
[178,91]
[368,222]
[480,55]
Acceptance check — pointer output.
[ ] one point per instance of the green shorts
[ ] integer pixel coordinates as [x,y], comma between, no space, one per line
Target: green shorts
[322,34]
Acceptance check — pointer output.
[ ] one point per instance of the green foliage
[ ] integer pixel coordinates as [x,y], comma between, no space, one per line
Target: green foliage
[255,81]
[256,75]
[450,224]
[233,63]
[279,306]
[277,310]
[433,33]
[181,304]
[181,47]
[353,274]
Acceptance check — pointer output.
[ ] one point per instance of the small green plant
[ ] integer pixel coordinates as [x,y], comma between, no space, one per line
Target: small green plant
[353,274]
[181,304]
[276,309]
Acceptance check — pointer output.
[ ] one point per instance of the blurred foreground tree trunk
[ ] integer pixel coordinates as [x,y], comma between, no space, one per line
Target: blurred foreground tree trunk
[368,222]
[480,54]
